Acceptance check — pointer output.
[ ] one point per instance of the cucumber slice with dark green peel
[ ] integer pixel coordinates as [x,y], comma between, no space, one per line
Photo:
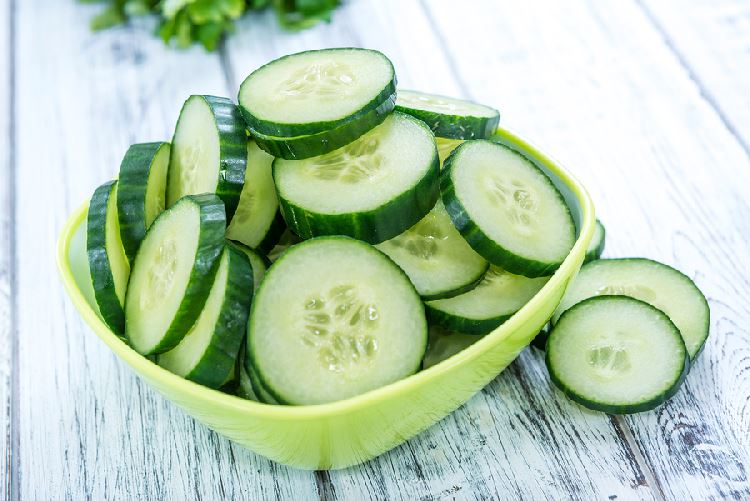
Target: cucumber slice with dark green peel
[445,147]
[245,388]
[435,256]
[316,91]
[312,145]
[497,297]
[287,240]
[372,189]
[596,246]
[108,263]
[256,384]
[208,353]
[507,208]
[334,318]
[616,354]
[444,344]
[141,191]
[258,262]
[173,273]
[257,221]
[655,283]
[449,117]
[209,152]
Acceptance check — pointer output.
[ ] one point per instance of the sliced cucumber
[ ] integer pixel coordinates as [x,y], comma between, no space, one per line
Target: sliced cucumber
[257,222]
[507,208]
[108,263]
[245,388]
[258,262]
[173,273]
[287,240]
[497,297]
[445,147]
[449,117]
[372,189]
[435,256]
[141,191]
[596,246]
[208,353]
[444,344]
[333,318]
[209,152]
[316,91]
[259,390]
[617,355]
[655,283]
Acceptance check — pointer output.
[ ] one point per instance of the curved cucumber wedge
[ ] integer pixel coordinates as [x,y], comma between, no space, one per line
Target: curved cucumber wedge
[108,263]
[333,318]
[209,152]
[372,189]
[208,353]
[617,355]
[173,273]
[506,208]
[257,222]
[449,117]
[141,191]
[655,283]
[596,246]
[435,256]
[315,91]
[258,262]
[444,344]
[497,297]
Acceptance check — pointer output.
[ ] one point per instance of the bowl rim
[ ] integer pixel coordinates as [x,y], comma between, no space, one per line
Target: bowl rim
[146,368]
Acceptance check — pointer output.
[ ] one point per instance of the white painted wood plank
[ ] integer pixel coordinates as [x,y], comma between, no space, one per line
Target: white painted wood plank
[89,428]
[596,85]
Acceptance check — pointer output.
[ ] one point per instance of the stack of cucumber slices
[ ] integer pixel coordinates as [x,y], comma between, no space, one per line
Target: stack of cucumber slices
[297,248]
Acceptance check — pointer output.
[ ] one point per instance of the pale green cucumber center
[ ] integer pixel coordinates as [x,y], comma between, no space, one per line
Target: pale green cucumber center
[157,184]
[442,104]
[118,260]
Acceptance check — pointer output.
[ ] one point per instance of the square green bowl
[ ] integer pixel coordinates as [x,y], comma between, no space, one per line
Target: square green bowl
[344,433]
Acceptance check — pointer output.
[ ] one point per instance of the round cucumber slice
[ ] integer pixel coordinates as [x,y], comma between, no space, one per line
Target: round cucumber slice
[315,91]
[372,189]
[209,152]
[507,208]
[173,273]
[257,222]
[497,297]
[617,355]
[449,117]
[334,318]
[596,246]
[444,344]
[108,263]
[655,283]
[435,256]
[258,262]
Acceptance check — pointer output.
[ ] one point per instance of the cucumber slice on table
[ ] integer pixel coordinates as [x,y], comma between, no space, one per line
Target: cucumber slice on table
[596,246]
[655,283]
[444,344]
[435,256]
[209,152]
[208,353]
[449,117]
[257,222]
[108,263]
[507,208]
[372,189]
[141,191]
[497,297]
[316,91]
[173,273]
[617,355]
[333,318]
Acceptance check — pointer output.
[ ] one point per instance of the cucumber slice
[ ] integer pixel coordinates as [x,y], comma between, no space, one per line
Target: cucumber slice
[445,147]
[497,297]
[258,262]
[617,355]
[449,117]
[173,273]
[655,283]
[315,91]
[287,240]
[435,256]
[259,390]
[208,353]
[444,344]
[333,318]
[372,189]
[141,191]
[596,246]
[257,222]
[108,263]
[245,389]
[209,152]
[506,208]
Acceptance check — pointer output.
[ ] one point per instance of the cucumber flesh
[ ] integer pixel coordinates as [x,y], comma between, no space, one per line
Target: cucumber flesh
[596,246]
[332,319]
[655,283]
[616,354]
[444,344]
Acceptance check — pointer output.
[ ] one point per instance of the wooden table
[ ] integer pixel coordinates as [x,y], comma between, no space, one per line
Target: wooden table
[647,102]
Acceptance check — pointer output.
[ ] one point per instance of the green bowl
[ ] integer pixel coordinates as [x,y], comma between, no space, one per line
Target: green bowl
[344,433]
